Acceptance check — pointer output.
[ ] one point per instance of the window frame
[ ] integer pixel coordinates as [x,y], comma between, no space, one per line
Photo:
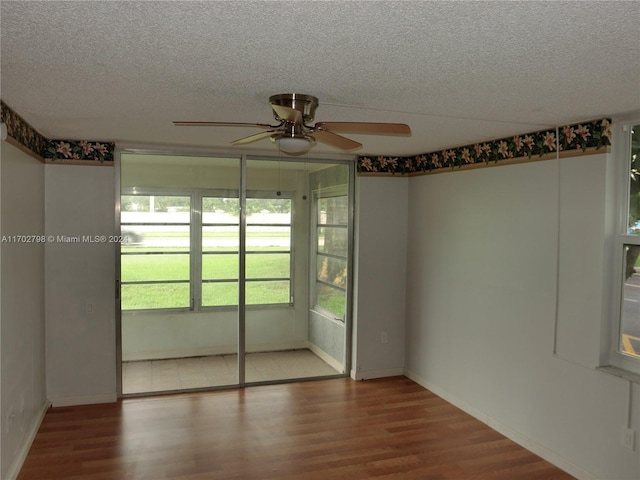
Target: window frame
[317,195]
[195,253]
[280,195]
[252,194]
[147,192]
[621,155]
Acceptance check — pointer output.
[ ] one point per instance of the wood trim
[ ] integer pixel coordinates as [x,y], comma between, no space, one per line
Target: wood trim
[12,141]
[90,163]
[588,151]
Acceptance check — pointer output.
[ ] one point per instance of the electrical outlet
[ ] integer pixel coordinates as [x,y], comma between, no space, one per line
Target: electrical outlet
[88,307]
[384,337]
[628,439]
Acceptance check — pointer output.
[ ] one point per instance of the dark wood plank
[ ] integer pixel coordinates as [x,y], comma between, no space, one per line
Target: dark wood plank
[377,429]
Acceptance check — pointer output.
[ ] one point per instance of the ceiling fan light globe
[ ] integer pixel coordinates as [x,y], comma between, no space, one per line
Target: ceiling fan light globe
[293,145]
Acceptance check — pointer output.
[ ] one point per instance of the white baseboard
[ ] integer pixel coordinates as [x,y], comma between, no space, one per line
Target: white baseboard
[84,400]
[511,434]
[371,374]
[18,461]
[326,357]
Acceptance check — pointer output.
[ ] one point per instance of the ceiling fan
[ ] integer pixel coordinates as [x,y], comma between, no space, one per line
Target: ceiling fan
[293,135]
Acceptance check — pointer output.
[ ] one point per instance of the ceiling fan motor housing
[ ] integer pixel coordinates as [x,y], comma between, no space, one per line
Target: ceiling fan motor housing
[294,135]
[305,104]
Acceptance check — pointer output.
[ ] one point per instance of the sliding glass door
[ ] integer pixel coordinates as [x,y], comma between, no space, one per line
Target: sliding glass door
[179,272]
[236,271]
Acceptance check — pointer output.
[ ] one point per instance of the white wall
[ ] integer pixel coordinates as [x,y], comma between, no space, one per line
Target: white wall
[80,285]
[380,277]
[491,252]
[22,330]
[171,335]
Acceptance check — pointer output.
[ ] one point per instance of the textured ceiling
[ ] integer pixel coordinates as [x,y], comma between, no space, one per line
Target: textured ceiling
[456,72]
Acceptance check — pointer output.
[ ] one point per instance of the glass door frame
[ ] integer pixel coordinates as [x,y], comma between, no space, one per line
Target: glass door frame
[242,307]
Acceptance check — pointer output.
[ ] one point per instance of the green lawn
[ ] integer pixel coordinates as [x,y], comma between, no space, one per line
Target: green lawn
[135,268]
[176,267]
[172,267]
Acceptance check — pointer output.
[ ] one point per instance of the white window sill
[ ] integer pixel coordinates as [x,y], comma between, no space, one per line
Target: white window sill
[620,372]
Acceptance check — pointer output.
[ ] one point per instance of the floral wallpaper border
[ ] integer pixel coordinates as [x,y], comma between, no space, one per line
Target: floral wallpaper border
[21,131]
[578,137]
[79,150]
[64,151]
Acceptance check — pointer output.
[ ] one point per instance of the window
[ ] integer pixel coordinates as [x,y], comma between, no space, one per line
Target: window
[268,259]
[183,250]
[268,251]
[331,238]
[628,335]
[220,250]
[155,259]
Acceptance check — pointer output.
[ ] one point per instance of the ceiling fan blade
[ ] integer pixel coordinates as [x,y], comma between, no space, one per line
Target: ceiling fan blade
[366,127]
[222,124]
[253,138]
[287,114]
[335,140]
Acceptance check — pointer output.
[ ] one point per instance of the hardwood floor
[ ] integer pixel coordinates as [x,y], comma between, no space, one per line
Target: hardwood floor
[328,429]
